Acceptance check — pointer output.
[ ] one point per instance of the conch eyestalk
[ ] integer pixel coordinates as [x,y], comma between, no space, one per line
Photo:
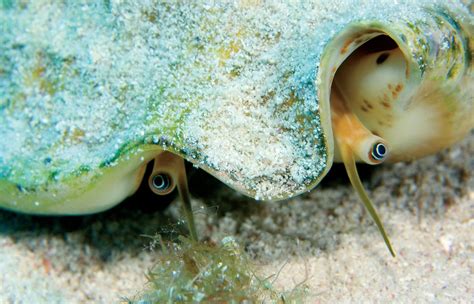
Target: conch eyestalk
[353,139]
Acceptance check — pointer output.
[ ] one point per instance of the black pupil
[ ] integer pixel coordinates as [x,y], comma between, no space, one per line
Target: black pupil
[161,182]
[379,151]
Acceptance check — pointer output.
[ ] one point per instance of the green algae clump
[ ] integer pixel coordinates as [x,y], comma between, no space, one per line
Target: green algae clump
[203,272]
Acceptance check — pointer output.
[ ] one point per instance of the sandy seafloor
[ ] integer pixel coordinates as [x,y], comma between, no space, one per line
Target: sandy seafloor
[323,238]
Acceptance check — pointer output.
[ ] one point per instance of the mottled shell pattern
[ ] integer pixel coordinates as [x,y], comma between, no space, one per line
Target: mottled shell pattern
[90,91]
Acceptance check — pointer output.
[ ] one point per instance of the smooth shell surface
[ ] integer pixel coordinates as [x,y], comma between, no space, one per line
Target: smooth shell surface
[92,91]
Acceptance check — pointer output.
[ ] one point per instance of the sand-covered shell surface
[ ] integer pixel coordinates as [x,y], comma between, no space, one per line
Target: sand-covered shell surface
[90,91]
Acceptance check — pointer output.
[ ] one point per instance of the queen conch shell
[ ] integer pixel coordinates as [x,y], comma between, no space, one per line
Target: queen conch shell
[91,91]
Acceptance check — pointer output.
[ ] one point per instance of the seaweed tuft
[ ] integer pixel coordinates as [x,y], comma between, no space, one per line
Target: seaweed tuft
[204,272]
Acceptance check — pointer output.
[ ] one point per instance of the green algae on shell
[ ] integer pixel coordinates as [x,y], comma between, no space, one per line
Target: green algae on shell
[92,91]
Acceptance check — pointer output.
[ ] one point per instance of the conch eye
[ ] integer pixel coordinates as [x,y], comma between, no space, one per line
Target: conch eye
[379,152]
[161,184]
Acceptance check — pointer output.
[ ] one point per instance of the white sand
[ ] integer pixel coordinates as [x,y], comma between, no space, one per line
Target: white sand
[323,239]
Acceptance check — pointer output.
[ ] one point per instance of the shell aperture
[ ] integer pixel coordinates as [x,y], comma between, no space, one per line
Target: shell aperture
[372,94]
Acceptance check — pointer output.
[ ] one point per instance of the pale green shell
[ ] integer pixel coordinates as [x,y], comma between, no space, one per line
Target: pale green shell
[90,92]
